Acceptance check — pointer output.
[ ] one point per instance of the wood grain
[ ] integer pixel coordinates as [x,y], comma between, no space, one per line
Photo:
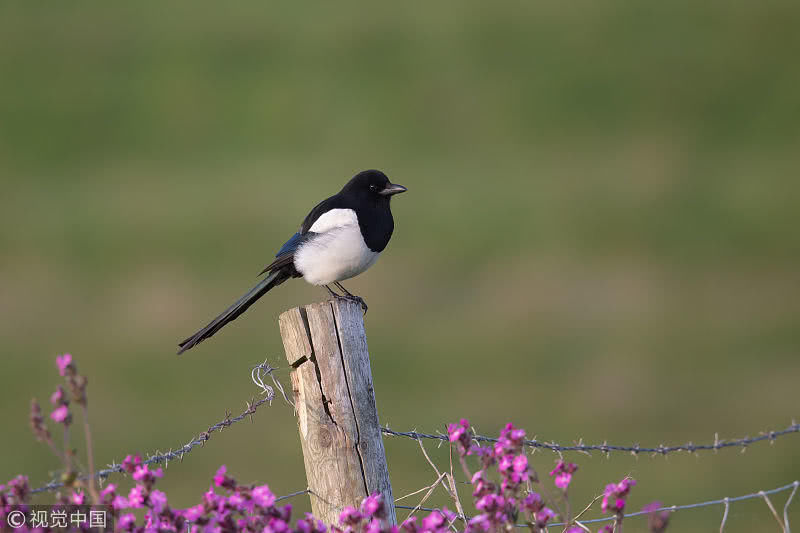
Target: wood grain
[335,405]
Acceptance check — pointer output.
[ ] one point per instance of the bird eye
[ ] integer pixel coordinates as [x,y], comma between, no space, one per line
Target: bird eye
[373,187]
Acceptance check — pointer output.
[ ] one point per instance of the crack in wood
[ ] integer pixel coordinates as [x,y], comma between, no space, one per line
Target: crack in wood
[350,397]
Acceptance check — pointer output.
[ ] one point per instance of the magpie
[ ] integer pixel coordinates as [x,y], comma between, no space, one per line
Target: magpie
[340,238]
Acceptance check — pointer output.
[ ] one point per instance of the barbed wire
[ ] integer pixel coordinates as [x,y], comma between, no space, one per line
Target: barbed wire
[200,440]
[608,448]
[723,501]
[262,370]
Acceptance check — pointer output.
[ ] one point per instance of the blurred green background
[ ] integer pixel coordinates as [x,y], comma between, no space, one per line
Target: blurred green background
[599,242]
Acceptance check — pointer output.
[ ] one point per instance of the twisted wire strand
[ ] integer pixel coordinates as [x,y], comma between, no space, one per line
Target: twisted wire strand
[723,501]
[608,448]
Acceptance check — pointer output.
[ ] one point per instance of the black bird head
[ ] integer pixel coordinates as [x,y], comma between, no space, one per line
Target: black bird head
[372,185]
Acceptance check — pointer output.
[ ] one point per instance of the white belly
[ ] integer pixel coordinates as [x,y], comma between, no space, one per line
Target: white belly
[337,254]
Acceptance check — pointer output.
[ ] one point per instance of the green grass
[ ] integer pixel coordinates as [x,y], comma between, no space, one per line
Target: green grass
[599,241]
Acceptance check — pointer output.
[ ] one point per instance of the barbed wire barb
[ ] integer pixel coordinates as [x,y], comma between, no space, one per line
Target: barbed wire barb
[607,448]
[727,502]
[672,508]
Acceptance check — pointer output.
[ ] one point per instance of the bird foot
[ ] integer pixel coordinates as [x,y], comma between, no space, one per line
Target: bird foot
[353,298]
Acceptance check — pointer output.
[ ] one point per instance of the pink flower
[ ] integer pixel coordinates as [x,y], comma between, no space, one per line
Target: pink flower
[349,516]
[511,440]
[136,497]
[615,494]
[59,397]
[219,478]
[374,526]
[543,516]
[563,473]
[193,513]
[520,463]
[657,520]
[222,480]
[78,498]
[410,524]
[63,362]
[158,500]
[276,525]
[506,462]
[490,503]
[373,505]
[433,522]
[263,496]
[107,495]
[126,522]
[236,500]
[479,523]
[130,463]
[461,433]
[61,415]
[562,480]
[532,502]
[119,503]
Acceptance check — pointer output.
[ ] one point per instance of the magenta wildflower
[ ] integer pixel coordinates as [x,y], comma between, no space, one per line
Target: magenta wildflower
[461,433]
[543,516]
[563,474]
[373,526]
[533,502]
[192,514]
[78,498]
[126,522]
[59,397]
[130,463]
[109,490]
[263,496]
[615,494]
[119,503]
[276,525]
[136,497]
[479,523]
[657,520]
[608,528]
[222,480]
[158,501]
[349,516]
[63,362]
[144,475]
[373,506]
[482,486]
[434,522]
[61,415]
[490,503]
[237,500]
[510,441]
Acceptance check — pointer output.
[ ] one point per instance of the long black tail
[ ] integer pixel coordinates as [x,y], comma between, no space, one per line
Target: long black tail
[275,278]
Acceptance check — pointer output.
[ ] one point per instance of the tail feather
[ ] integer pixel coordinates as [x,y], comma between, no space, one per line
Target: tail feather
[275,278]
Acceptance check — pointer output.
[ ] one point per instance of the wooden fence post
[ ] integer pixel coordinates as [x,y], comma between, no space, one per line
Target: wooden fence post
[334,399]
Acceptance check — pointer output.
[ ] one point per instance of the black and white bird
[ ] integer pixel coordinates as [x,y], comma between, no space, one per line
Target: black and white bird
[340,238]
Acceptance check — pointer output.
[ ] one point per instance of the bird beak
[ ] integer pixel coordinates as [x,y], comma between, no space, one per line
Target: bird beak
[392,189]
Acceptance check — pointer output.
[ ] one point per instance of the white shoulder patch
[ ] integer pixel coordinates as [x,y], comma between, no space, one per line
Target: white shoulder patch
[335,218]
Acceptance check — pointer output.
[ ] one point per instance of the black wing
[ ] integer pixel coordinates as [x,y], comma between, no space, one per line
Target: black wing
[285,255]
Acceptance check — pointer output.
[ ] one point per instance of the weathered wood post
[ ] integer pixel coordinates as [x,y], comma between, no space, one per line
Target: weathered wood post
[334,399]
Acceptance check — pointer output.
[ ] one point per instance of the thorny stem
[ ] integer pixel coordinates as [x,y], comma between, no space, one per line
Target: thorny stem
[90,455]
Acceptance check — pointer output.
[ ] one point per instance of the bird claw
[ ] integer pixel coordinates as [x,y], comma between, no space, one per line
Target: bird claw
[353,298]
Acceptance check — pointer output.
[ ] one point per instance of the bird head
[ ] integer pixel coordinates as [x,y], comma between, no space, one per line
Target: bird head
[372,184]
